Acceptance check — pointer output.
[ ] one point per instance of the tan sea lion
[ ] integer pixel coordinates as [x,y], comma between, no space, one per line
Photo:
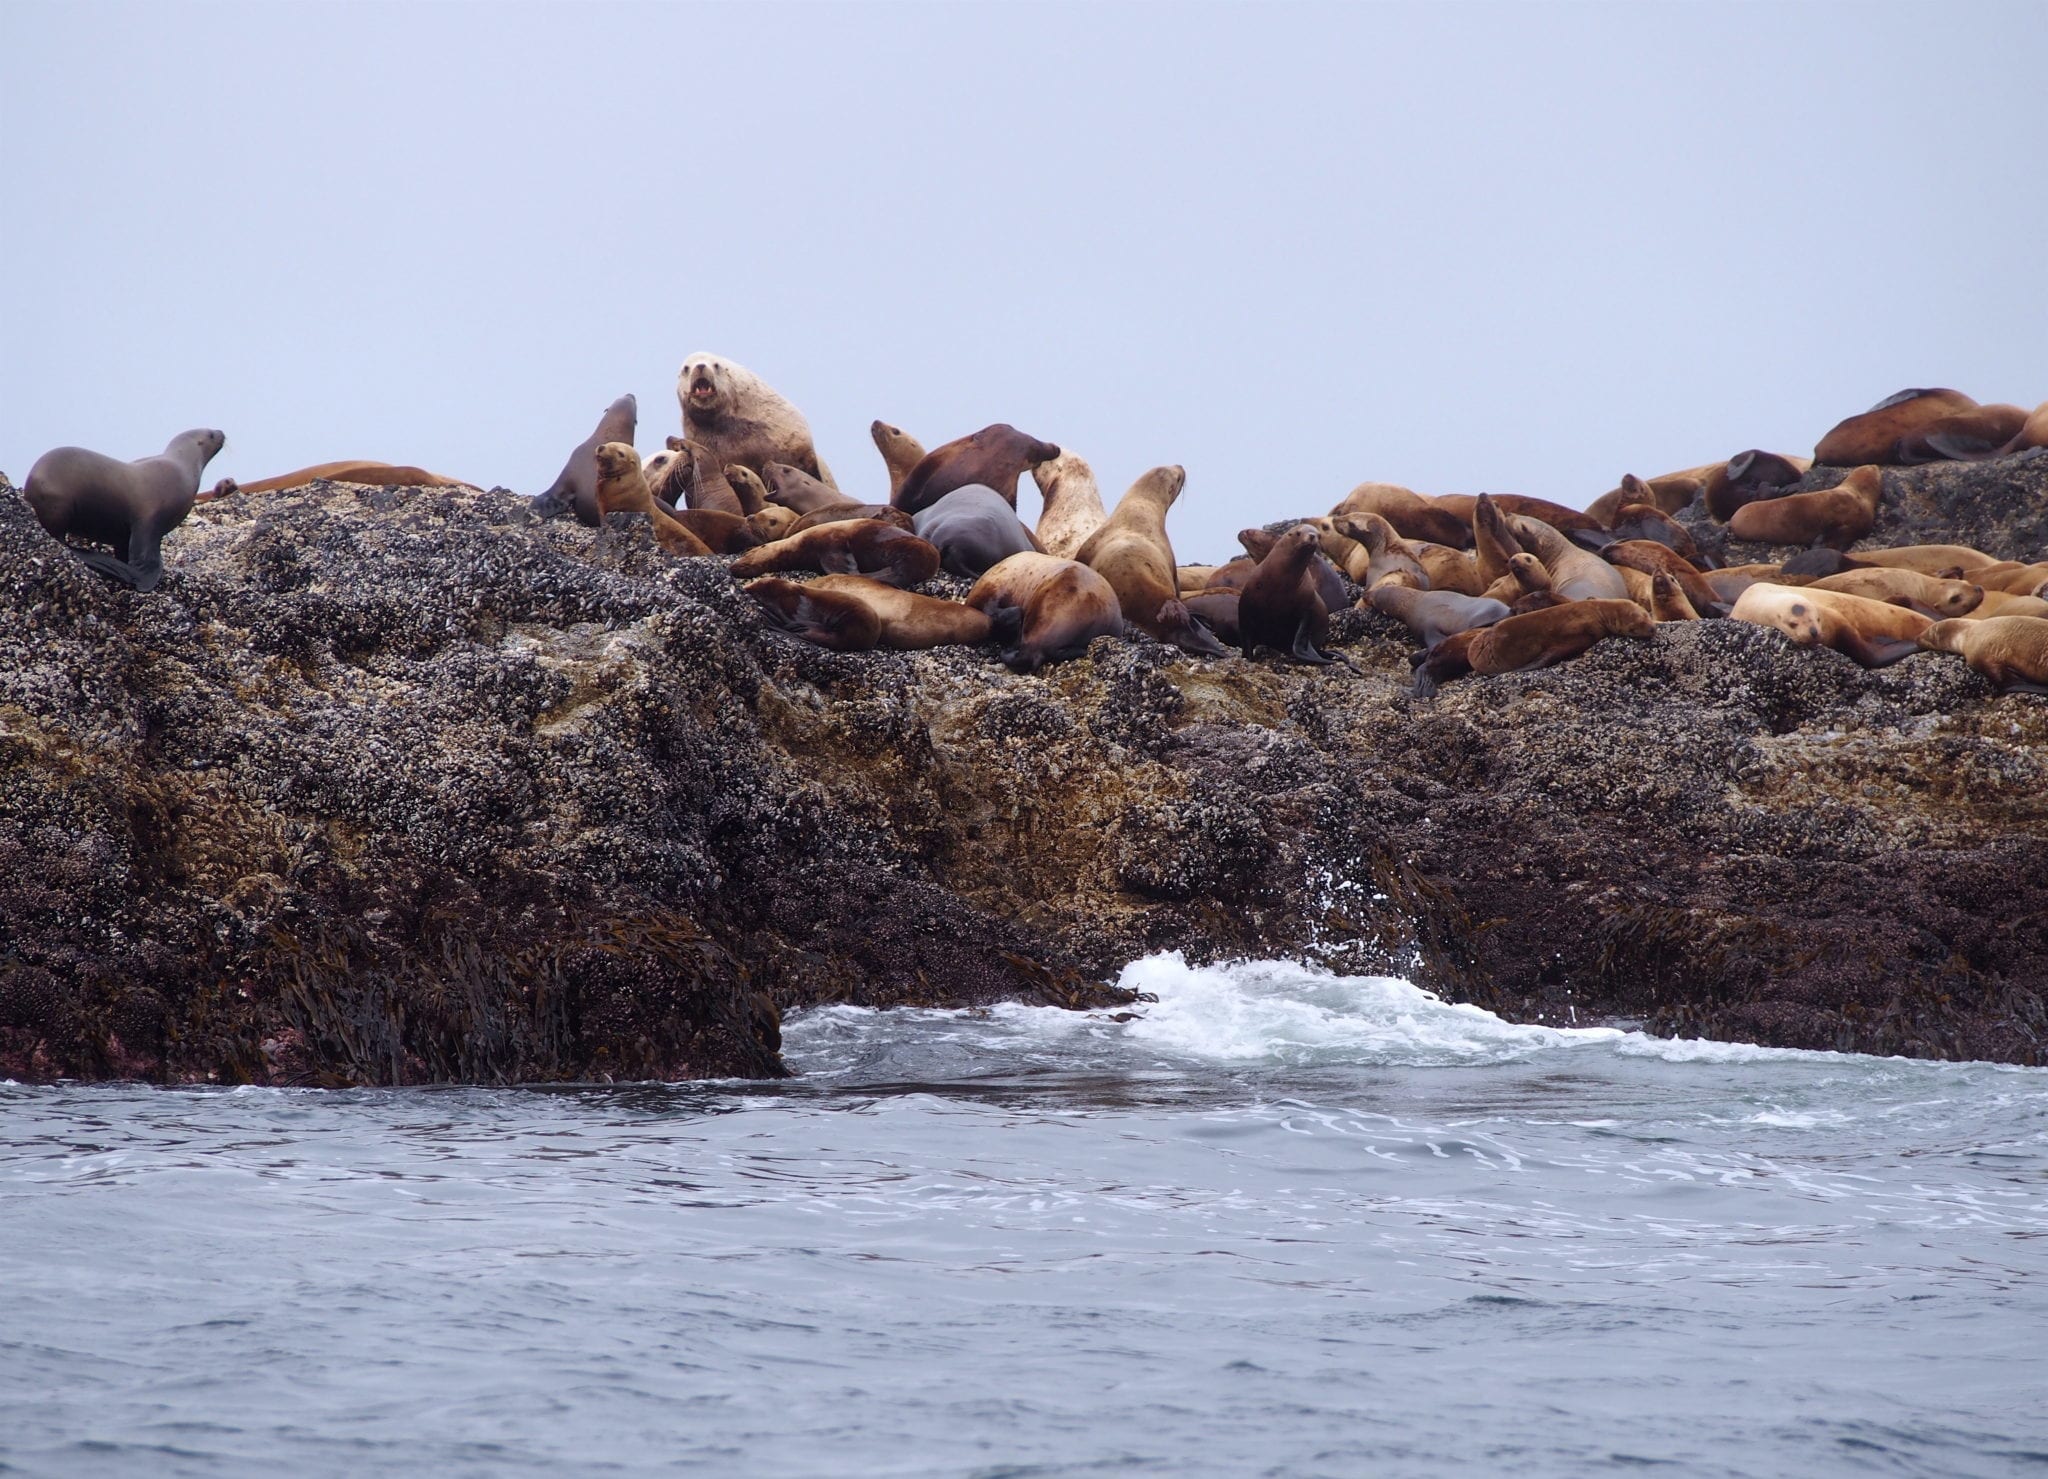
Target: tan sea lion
[574,490]
[1998,603]
[1493,542]
[1411,514]
[1280,606]
[2033,432]
[996,455]
[1044,609]
[734,413]
[1937,599]
[772,522]
[76,493]
[885,513]
[1667,495]
[1668,600]
[1873,436]
[1974,435]
[622,488]
[1191,578]
[1874,633]
[2014,577]
[2012,651]
[1535,639]
[1132,552]
[828,618]
[1749,477]
[1533,587]
[747,484]
[366,474]
[722,533]
[792,487]
[1556,515]
[1448,569]
[1072,504]
[1434,615]
[1576,574]
[851,547]
[1837,516]
[1928,559]
[910,622]
[900,453]
[1654,559]
[1388,555]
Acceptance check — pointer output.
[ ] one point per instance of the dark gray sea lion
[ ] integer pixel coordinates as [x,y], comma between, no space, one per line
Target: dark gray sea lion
[975,529]
[574,490]
[80,494]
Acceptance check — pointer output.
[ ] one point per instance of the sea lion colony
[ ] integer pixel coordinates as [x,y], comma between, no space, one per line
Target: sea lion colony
[1487,584]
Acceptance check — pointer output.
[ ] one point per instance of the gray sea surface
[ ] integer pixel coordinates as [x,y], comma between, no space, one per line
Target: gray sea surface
[1278,1223]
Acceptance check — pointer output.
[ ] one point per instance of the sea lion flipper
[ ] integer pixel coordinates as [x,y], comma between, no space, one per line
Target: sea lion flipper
[1304,648]
[117,570]
[839,562]
[1876,652]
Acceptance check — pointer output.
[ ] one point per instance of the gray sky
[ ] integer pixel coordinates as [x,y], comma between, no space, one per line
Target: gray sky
[1460,247]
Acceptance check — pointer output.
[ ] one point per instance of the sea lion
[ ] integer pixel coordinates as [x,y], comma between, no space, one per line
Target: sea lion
[739,419]
[1131,552]
[1668,601]
[828,618]
[910,622]
[367,474]
[772,522]
[1974,435]
[722,533]
[1928,559]
[1556,515]
[1329,581]
[1388,555]
[1654,559]
[76,493]
[1837,516]
[1667,495]
[996,456]
[1998,603]
[1641,521]
[2012,651]
[1534,639]
[1191,578]
[792,487]
[1493,542]
[1435,615]
[1874,633]
[883,512]
[2014,577]
[574,490]
[1231,575]
[974,529]
[1448,569]
[851,547]
[1575,574]
[1731,581]
[1749,477]
[1412,515]
[696,473]
[622,488]
[1533,587]
[1044,609]
[900,453]
[1217,610]
[1873,436]
[747,484]
[2033,433]
[1938,599]
[1280,607]
[1073,505]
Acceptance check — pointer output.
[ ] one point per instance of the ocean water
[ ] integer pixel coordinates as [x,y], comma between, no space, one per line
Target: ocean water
[1278,1223]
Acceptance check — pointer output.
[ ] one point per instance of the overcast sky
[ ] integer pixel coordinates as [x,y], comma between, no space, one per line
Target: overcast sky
[1460,247]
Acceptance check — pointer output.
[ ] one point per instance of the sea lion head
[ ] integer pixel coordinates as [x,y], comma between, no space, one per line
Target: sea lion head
[705,385]
[203,443]
[1959,598]
[1161,485]
[614,459]
[1627,619]
[1799,620]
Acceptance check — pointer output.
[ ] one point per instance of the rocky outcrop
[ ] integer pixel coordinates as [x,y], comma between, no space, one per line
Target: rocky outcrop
[408,786]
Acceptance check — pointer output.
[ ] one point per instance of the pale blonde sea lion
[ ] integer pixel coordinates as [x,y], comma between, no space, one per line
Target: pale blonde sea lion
[1874,633]
[741,419]
[1072,504]
[2012,651]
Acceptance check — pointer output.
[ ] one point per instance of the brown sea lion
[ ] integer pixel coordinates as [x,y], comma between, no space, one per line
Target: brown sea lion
[366,474]
[1998,603]
[996,455]
[747,484]
[1732,580]
[2014,577]
[772,522]
[1938,599]
[1217,610]
[1928,559]
[1874,633]
[851,547]
[1434,615]
[1534,588]
[2033,432]
[1072,504]
[1749,477]
[76,493]
[1666,494]
[1132,552]
[910,622]
[1044,609]
[1412,515]
[1556,515]
[722,533]
[1329,581]
[792,487]
[1232,575]
[2012,651]
[1641,521]
[1493,542]
[1873,436]
[698,475]
[1576,574]
[1654,559]
[1388,555]
[574,490]
[1974,435]
[736,415]
[1280,607]
[900,453]
[828,618]
[1535,639]
[1837,516]
[885,513]
[1448,569]
[1668,601]
[622,488]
